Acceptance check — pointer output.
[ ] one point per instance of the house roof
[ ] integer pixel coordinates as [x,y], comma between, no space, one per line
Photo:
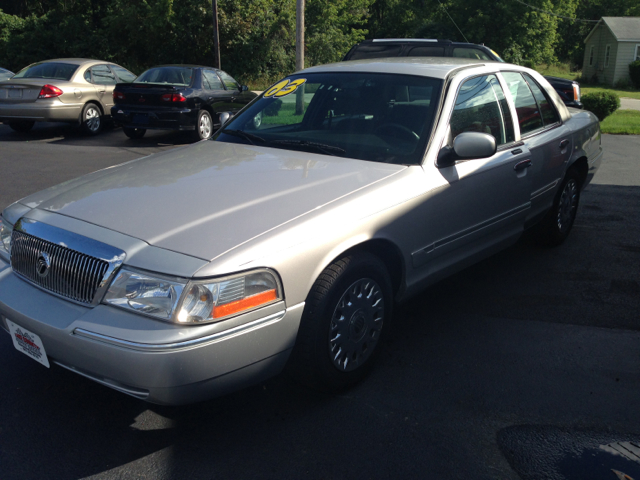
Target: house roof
[623,28]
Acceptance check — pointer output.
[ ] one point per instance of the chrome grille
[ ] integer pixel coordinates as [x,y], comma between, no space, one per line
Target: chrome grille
[71,274]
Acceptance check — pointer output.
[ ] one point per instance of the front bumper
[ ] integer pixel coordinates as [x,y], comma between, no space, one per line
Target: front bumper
[49,110]
[184,119]
[152,360]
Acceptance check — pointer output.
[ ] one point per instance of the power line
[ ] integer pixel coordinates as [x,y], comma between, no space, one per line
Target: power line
[445,10]
[554,14]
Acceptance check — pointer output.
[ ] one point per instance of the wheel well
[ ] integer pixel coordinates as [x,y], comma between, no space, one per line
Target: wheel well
[390,255]
[582,167]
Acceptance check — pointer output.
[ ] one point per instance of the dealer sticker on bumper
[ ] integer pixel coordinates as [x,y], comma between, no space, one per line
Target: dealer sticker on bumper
[28,343]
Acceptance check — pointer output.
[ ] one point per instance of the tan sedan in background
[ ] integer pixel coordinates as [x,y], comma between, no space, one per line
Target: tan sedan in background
[74,90]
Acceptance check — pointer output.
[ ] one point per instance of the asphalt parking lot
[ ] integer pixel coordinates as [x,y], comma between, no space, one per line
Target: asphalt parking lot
[525,366]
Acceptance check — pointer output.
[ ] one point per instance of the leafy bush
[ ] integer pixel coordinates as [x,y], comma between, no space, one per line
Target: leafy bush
[622,83]
[634,73]
[602,104]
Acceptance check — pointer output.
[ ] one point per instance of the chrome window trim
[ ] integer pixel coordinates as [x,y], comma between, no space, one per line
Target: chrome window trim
[72,241]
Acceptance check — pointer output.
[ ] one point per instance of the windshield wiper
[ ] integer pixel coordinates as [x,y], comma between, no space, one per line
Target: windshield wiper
[322,147]
[248,136]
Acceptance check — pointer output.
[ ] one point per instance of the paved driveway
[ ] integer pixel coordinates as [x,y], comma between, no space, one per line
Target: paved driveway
[525,366]
[629,103]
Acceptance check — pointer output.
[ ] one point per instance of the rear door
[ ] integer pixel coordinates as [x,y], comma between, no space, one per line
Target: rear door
[215,95]
[104,81]
[542,133]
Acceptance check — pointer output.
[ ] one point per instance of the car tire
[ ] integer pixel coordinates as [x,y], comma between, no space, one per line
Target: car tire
[21,126]
[557,223]
[204,125]
[342,323]
[134,132]
[91,119]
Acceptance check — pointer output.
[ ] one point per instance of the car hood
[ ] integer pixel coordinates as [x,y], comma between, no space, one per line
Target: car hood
[206,199]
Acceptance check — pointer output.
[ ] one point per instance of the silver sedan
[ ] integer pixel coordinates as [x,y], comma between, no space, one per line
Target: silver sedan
[70,90]
[285,240]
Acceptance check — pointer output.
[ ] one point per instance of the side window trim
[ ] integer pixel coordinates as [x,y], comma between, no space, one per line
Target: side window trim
[512,105]
[545,126]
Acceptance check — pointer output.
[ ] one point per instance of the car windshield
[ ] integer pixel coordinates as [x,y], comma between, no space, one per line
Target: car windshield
[179,76]
[369,116]
[50,70]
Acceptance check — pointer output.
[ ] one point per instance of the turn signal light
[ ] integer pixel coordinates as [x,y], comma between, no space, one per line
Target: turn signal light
[576,92]
[49,91]
[244,304]
[173,97]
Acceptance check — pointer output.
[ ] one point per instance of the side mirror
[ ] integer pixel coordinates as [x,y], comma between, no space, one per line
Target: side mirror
[243,88]
[474,145]
[224,117]
[467,145]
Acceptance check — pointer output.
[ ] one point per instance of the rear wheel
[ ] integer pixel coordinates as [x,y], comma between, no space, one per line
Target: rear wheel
[342,323]
[21,126]
[134,132]
[91,119]
[556,225]
[204,125]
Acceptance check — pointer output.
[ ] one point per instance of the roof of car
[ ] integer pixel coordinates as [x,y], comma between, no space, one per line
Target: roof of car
[183,65]
[75,61]
[435,67]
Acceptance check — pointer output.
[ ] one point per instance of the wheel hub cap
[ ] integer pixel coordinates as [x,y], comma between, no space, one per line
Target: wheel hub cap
[567,205]
[356,325]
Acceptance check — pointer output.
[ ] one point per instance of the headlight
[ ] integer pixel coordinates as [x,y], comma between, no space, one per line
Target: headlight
[196,301]
[5,236]
[144,294]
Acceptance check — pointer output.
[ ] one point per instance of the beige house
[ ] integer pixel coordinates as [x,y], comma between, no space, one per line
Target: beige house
[610,47]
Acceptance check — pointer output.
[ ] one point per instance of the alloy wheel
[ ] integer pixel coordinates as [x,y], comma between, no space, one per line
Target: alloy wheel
[567,205]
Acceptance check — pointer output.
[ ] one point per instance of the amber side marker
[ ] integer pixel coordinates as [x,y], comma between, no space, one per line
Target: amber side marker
[244,304]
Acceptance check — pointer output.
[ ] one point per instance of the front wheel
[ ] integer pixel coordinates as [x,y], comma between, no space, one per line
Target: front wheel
[91,119]
[134,132]
[343,320]
[556,225]
[21,126]
[204,125]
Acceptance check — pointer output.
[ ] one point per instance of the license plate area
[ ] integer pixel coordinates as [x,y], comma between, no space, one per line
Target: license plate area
[28,343]
[140,118]
[15,93]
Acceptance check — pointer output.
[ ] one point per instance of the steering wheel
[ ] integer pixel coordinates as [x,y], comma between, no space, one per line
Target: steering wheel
[398,131]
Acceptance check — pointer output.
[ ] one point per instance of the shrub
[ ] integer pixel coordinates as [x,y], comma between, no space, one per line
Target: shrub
[622,83]
[602,104]
[634,73]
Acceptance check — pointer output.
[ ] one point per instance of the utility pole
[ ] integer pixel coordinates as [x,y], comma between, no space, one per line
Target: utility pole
[300,53]
[216,35]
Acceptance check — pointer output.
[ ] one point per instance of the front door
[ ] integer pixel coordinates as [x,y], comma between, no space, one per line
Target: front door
[484,201]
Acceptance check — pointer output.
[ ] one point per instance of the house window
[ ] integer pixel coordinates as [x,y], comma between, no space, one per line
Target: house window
[607,52]
[591,56]
[637,55]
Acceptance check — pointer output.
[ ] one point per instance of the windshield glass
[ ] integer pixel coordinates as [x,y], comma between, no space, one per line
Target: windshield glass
[180,76]
[54,71]
[369,116]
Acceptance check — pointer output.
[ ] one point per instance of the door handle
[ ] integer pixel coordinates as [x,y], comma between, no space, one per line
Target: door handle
[517,151]
[564,143]
[522,165]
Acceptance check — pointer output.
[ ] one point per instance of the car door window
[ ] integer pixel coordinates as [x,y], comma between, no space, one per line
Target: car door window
[482,107]
[476,53]
[228,80]
[87,75]
[549,114]
[124,75]
[212,80]
[102,75]
[529,117]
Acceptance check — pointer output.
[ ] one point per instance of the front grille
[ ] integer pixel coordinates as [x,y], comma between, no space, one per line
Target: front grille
[71,274]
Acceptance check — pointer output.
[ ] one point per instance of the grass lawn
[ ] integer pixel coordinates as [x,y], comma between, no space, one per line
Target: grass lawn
[622,122]
[561,71]
[601,88]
